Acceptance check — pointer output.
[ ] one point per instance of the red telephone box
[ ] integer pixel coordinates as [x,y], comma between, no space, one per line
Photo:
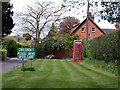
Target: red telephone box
[77,50]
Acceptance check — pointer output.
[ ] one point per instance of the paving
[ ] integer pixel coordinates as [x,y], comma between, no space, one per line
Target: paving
[11,63]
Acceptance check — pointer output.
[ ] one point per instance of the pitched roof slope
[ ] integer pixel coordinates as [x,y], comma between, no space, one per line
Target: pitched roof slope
[92,22]
[107,31]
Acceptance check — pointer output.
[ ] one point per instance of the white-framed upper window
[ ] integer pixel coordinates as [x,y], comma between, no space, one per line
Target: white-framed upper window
[82,30]
[93,29]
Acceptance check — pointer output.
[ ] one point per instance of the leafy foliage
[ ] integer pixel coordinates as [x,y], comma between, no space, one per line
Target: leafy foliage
[27,69]
[69,39]
[52,44]
[23,44]
[67,24]
[10,44]
[110,11]
[106,47]
[7,21]
[88,49]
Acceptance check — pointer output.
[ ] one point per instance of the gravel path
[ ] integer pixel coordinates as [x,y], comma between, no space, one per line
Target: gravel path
[11,63]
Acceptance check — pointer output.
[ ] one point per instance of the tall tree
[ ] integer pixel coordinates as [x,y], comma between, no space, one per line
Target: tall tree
[38,17]
[7,21]
[67,24]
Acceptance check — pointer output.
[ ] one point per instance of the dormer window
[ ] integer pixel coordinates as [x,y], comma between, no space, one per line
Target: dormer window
[82,30]
[93,29]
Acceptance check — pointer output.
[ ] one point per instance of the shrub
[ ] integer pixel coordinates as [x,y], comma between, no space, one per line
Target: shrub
[39,51]
[53,44]
[3,53]
[69,39]
[10,44]
[27,69]
[106,47]
[88,49]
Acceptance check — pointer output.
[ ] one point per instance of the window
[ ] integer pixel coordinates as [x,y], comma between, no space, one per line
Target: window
[82,30]
[93,29]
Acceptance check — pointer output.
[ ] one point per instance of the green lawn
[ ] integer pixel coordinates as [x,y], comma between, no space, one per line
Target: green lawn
[59,74]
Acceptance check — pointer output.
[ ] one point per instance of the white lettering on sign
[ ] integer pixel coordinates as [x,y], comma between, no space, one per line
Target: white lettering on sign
[26,53]
[31,53]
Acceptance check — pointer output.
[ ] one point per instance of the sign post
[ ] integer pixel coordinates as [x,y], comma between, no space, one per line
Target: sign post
[26,53]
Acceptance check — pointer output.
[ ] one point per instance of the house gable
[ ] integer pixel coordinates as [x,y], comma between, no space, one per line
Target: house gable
[81,29]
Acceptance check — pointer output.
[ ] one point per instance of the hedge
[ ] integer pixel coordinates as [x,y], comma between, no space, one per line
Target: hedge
[10,44]
[106,47]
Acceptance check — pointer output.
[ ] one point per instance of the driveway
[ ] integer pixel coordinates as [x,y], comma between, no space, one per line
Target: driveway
[11,63]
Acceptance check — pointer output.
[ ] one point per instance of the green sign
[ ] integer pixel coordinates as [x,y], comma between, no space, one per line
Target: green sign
[26,53]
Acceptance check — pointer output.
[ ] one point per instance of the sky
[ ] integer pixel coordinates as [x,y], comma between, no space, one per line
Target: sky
[19,6]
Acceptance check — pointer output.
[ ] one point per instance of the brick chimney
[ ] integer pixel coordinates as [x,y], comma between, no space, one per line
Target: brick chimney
[117,25]
[91,16]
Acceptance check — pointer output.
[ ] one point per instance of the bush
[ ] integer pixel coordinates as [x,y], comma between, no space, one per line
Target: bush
[88,49]
[10,44]
[3,53]
[106,47]
[39,51]
[27,69]
[69,39]
[53,44]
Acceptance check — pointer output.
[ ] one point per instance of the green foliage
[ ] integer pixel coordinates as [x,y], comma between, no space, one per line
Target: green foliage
[49,45]
[7,21]
[39,51]
[88,49]
[23,44]
[3,50]
[27,69]
[106,47]
[10,44]
[53,44]
[111,67]
[84,49]
[3,54]
[69,39]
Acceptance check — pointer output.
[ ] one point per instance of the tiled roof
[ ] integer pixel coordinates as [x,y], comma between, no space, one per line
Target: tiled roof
[92,22]
[107,31]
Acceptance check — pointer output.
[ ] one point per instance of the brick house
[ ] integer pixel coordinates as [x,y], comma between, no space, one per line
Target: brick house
[93,29]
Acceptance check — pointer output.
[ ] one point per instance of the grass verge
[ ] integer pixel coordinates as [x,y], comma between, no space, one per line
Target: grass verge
[55,73]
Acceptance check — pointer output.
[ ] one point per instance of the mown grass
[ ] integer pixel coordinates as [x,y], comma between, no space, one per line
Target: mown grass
[111,67]
[56,73]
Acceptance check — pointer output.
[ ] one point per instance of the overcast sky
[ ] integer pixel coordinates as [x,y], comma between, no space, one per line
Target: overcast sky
[19,5]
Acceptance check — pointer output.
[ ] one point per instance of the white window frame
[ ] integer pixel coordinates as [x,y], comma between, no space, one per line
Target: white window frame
[92,30]
[82,29]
